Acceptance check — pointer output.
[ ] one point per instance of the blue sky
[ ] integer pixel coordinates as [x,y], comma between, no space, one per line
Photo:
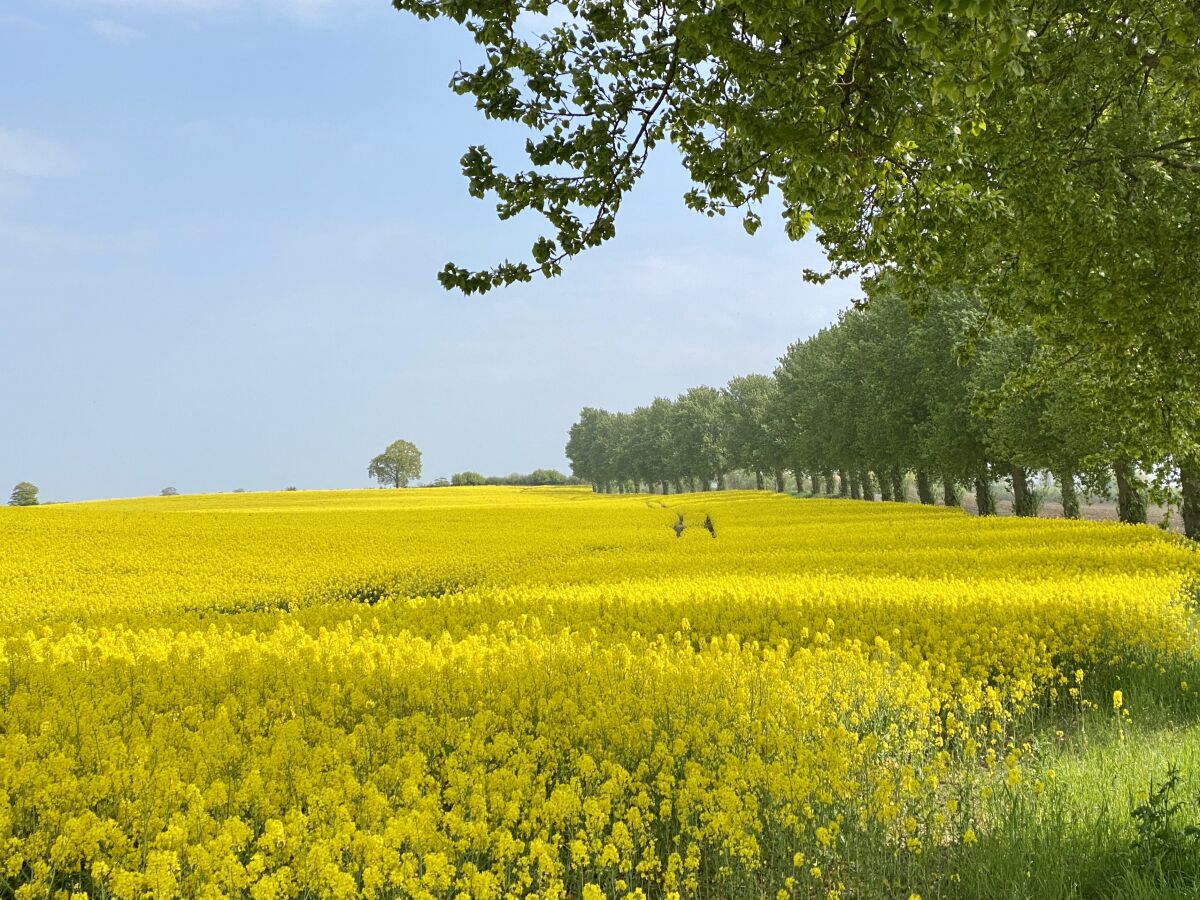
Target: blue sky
[220,227]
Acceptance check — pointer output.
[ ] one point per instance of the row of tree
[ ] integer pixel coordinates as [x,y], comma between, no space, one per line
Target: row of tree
[400,463]
[536,478]
[946,395]
[1042,160]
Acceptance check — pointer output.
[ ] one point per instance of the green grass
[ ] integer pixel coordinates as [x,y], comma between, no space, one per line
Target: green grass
[1077,836]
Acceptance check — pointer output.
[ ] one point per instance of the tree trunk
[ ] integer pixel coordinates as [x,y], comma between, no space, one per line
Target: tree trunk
[885,486]
[679,486]
[985,500]
[949,492]
[691,484]
[799,477]
[1024,502]
[924,489]
[1131,499]
[843,484]
[855,485]
[758,477]
[814,483]
[705,484]
[898,485]
[720,481]
[868,486]
[1066,486]
[779,485]
[1189,485]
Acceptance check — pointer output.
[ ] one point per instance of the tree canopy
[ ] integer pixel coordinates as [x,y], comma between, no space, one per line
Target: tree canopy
[396,465]
[886,123]
[24,494]
[885,393]
[1043,157]
[536,478]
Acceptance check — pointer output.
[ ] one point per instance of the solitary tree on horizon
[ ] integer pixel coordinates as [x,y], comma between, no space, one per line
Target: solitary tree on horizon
[24,494]
[396,465]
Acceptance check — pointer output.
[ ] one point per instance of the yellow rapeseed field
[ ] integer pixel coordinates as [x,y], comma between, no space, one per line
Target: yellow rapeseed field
[486,693]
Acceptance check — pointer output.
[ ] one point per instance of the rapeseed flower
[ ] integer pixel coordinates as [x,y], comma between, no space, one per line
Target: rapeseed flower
[495,692]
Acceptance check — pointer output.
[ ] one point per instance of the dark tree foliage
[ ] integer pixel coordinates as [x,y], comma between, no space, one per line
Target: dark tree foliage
[536,478]
[24,494]
[396,465]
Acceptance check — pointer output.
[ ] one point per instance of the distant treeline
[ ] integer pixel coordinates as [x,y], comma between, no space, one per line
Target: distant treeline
[943,394]
[536,478]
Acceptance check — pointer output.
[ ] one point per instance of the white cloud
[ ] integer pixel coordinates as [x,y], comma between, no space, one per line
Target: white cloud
[115,32]
[34,237]
[27,155]
[11,20]
[11,190]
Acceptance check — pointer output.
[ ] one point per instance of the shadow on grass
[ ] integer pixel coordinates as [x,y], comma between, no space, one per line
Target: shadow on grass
[1095,818]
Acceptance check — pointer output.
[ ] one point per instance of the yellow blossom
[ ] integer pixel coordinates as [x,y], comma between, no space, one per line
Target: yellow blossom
[489,692]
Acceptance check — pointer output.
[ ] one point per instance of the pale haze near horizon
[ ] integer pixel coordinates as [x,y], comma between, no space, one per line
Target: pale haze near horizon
[220,228]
